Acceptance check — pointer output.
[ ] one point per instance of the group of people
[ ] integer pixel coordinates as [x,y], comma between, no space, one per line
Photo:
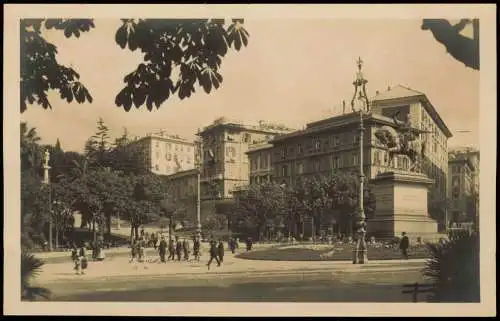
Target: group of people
[79,258]
[179,249]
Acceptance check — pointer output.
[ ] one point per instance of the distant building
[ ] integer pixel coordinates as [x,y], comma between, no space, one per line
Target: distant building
[165,154]
[463,186]
[224,162]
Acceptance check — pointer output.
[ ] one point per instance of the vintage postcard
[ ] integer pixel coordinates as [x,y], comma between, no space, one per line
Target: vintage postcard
[250,160]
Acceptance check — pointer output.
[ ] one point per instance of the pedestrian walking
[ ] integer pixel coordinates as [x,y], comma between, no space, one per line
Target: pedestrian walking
[404,245]
[186,249]
[232,245]
[133,251]
[196,248]
[220,251]
[213,253]
[154,240]
[178,248]
[75,259]
[171,249]
[162,249]
[249,244]
[83,259]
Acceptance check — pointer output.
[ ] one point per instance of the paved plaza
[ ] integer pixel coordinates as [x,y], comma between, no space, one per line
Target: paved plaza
[115,279]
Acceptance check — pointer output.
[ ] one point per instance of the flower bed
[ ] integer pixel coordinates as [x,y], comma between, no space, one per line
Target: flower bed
[322,252]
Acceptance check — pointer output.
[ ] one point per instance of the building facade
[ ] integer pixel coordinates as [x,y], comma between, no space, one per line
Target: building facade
[463,186]
[332,144]
[224,162]
[183,190]
[165,154]
[261,169]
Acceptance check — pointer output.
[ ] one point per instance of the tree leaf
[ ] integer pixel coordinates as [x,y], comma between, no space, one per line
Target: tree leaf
[121,36]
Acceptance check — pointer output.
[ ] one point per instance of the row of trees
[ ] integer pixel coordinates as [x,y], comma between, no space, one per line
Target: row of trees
[105,181]
[322,201]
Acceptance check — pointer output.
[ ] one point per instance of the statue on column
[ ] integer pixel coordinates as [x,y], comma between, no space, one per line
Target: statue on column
[46,158]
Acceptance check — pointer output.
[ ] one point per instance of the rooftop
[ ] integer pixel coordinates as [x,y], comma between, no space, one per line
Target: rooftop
[397,92]
[401,92]
[335,122]
[262,126]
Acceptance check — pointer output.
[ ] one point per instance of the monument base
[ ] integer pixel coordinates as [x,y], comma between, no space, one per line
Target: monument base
[401,206]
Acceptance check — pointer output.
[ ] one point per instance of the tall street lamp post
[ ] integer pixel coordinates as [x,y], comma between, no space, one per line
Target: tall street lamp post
[46,181]
[198,188]
[360,255]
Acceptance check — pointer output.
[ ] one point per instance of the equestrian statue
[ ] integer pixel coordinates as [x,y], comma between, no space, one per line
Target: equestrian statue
[403,139]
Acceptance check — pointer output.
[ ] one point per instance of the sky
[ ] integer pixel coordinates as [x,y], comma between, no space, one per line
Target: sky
[293,71]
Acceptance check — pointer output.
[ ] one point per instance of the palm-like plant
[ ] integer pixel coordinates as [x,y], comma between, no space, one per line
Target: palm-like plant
[30,149]
[30,268]
[454,268]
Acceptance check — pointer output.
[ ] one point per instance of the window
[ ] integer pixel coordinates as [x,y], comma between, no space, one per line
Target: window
[355,159]
[300,149]
[246,138]
[338,140]
[257,162]
[157,144]
[168,146]
[182,148]
[169,157]
[300,168]
[376,157]
[317,166]
[284,170]
[157,167]
[176,147]
[317,145]
[336,162]
[283,153]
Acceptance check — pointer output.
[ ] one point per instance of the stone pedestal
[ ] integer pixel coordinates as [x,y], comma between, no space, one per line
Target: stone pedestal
[401,206]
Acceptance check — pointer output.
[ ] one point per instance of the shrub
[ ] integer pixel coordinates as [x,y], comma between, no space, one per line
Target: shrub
[30,268]
[454,268]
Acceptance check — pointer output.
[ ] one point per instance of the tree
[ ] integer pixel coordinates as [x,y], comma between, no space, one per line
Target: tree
[40,71]
[97,147]
[126,157]
[31,154]
[259,204]
[62,208]
[190,48]
[460,47]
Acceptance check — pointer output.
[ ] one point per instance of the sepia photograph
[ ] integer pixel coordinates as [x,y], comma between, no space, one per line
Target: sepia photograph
[234,156]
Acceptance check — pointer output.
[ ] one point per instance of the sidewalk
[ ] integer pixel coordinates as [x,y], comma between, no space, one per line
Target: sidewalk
[119,267]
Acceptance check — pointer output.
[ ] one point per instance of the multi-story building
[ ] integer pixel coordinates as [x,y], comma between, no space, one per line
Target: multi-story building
[333,144]
[463,186]
[165,154]
[261,169]
[183,192]
[224,162]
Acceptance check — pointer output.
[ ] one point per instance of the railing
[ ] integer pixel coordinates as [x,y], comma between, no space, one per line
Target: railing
[416,288]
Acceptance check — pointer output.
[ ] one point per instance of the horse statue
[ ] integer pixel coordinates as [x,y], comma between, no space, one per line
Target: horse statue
[402,140]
